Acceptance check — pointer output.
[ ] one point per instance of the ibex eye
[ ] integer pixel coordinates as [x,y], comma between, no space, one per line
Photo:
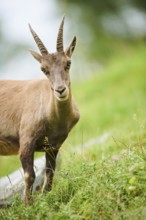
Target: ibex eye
[45,70]
[68,65]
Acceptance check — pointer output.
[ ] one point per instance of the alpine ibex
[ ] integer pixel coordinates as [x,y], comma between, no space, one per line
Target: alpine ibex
[33,110]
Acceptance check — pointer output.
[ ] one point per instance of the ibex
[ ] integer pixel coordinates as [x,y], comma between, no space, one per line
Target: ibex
[32,110]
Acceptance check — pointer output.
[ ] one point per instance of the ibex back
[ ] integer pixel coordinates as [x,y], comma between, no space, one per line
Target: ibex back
[37,115]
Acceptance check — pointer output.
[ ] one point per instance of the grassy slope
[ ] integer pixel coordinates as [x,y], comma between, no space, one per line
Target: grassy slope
[108,180]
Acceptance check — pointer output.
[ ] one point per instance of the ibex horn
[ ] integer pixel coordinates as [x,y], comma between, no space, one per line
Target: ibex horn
[60,37]
[39,43]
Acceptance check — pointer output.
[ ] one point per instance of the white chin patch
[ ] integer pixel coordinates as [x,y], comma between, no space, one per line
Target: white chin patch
[61,98]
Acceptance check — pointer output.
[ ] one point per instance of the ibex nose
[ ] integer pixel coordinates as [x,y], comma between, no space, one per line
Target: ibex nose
[60,90]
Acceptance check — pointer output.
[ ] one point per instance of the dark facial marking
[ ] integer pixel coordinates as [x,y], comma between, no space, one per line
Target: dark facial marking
[45,70]
[68,64]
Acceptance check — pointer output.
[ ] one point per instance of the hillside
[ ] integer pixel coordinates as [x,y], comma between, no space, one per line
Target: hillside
[107,180]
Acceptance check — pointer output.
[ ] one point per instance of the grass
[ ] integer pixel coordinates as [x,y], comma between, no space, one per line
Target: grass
[112,188]
[107,181]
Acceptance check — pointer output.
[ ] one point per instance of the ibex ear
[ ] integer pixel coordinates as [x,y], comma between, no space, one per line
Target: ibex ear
[71,48]
[36,55]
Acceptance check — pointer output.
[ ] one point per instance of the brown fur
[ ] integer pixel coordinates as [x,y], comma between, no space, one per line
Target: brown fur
[32,110]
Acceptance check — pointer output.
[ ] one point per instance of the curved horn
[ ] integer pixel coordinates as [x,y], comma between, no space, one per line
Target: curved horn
[60,37]
[39,43]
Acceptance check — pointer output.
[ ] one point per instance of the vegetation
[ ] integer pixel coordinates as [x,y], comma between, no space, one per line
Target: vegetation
[105,25]
[106,181]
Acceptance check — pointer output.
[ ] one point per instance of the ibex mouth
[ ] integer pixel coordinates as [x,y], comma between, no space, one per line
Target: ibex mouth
[61,97]
[61,93]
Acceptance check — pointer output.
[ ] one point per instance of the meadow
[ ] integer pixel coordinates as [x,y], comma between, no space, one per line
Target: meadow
[108,180]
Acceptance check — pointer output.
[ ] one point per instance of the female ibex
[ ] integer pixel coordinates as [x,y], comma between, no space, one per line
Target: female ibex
[33,110]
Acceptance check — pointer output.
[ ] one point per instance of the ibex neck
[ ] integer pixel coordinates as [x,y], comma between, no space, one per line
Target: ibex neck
[62,108]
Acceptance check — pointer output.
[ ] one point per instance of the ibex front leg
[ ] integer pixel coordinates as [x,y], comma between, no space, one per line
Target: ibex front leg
[27,159]
[50,168]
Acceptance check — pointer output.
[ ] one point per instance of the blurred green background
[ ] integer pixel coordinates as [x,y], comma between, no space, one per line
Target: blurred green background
[107,180]
[109,61]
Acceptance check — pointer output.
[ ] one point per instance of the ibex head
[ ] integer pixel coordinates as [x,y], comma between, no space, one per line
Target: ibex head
[56,65]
